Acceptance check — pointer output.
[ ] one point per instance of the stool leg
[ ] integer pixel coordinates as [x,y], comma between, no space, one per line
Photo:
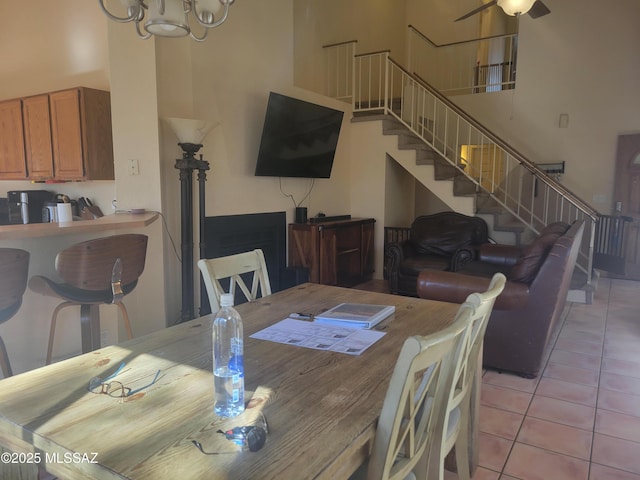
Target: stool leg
[90,327]
[52,329]
[125,318]
[4,360]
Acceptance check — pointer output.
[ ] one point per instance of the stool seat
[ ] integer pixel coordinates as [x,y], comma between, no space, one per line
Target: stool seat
[14,272]
[99,271]
[48,287]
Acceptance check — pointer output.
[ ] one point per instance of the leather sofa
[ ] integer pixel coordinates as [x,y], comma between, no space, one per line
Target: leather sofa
[443,241]
[526,313]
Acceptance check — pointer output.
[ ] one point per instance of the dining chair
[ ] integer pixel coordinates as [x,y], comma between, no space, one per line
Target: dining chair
[457,406]
[94,272]
[14,272]
[412,414]
[232,267]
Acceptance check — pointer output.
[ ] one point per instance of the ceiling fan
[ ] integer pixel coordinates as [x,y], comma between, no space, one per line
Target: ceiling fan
[535,8]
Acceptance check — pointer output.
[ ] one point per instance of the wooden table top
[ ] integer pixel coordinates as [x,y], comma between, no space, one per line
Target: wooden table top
[321,407]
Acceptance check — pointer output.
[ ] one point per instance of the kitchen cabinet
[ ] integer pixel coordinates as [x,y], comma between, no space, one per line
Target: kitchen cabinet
[334,252]
[81,134]
[37,137]
[66,136]
[12,156]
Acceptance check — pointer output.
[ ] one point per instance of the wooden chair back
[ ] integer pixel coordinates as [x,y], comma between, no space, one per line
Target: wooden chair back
[232,267]
[412,413]
[89,265]
[14,273]
[477,308]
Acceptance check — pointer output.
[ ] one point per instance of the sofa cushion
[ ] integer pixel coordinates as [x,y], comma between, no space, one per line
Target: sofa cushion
[533,255]
[428,240]
[414,265]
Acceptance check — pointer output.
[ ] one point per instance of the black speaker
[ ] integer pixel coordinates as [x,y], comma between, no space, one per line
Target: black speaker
[301,214]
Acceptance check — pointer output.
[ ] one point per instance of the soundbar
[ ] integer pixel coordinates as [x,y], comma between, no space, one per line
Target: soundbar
[329,219]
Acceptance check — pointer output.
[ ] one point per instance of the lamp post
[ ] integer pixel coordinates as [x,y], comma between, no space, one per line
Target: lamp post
[190,133]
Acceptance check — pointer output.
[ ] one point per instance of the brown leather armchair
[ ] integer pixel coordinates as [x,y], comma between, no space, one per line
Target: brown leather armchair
[525,314]
[442,241]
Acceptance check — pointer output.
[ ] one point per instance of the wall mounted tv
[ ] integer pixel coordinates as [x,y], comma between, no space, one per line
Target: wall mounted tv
[298,139]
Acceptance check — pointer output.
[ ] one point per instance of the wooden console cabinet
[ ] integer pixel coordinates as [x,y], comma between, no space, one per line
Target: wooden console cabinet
[334,252]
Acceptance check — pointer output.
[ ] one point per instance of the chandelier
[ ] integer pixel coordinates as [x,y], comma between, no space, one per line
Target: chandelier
[171,18]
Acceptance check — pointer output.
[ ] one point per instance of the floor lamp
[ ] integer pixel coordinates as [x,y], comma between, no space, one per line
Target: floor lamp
[190,134]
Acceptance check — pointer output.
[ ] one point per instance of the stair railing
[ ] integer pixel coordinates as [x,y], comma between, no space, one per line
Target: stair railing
[517,184]
[339,69]
[474,66]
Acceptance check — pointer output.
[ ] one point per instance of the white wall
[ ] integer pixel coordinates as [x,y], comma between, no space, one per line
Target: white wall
[566,67]
[580,60]
[375,24]
[44,49]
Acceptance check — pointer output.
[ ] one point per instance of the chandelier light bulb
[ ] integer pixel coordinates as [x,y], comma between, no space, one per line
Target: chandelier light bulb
[171,18]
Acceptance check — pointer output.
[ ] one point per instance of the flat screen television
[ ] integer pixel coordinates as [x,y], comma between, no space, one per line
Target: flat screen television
[298,139]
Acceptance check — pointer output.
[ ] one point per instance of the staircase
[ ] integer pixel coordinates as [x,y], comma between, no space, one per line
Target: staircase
[515,196]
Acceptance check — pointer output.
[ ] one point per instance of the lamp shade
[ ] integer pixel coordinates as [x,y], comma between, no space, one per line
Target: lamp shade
[515,7]
[190,131]
[167,18]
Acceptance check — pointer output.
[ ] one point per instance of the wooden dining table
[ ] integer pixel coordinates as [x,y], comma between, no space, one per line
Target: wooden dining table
[321,407]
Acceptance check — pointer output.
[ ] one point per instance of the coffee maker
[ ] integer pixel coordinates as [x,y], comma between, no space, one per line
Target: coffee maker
[25,206]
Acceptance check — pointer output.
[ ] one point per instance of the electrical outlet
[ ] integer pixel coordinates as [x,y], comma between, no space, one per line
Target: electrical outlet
[133,167]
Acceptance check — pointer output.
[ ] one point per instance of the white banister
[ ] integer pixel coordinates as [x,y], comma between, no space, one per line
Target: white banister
[379,84]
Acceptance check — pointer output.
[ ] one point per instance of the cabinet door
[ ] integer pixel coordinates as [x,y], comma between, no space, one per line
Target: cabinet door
[12,158]
[37,136]
[66,134]
[368,253]
[327,254]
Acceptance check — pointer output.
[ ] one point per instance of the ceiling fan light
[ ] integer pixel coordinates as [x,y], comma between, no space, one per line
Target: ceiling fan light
[515,7]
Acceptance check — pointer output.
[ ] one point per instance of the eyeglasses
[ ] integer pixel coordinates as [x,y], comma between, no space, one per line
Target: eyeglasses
[252,437]
[115,388]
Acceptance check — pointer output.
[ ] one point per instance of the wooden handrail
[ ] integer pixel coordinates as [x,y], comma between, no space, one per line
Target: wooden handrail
[339,44]
[531,166]
[462,42]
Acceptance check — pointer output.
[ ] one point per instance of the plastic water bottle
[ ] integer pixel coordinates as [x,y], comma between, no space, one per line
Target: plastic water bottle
[228,366]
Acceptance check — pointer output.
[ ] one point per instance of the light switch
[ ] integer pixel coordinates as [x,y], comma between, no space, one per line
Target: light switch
[133,167]
[564,120]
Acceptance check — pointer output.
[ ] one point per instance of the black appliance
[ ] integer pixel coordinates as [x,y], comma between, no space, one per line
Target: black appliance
[299,139]
[25,206]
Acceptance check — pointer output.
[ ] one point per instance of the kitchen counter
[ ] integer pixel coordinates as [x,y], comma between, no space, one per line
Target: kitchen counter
[115,221]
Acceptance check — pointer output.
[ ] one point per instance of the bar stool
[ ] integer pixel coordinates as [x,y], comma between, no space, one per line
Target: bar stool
[94,272]
[14,271]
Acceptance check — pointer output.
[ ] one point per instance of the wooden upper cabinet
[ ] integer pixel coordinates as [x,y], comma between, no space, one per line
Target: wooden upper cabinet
[81,134]
[66,136]
[37,135]
[12,156]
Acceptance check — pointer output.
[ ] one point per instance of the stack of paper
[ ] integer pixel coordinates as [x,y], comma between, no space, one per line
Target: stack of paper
[355,315]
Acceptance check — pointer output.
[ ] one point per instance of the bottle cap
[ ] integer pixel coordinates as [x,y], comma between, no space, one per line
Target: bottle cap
[226,300]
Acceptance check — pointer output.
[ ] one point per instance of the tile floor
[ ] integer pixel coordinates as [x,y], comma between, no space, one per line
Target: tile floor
[580,419]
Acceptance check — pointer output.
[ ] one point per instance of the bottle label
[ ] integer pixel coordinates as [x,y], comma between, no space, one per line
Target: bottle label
[236,346]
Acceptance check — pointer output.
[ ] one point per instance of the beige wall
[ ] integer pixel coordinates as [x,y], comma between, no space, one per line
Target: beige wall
[228,79]
[45,49]
[580,60]
[375,24]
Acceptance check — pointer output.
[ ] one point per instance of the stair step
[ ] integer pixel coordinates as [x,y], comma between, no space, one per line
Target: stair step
[444,170]
[426,156]
[463,187]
